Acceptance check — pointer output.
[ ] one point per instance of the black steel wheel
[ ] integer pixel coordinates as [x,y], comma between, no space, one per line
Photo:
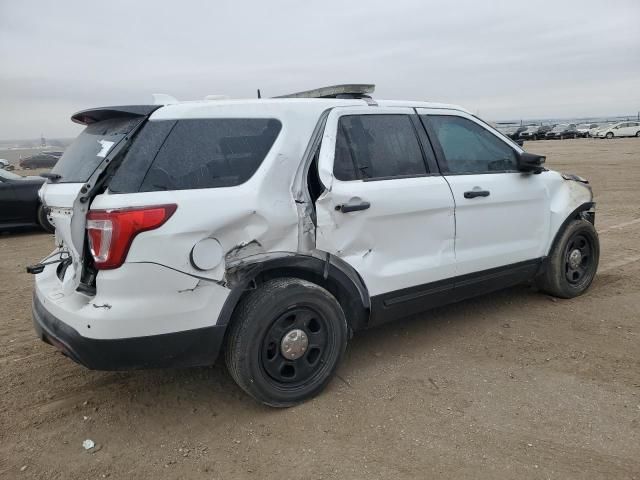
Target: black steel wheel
[578,258]
[572,262]
[296,346]
[285,341]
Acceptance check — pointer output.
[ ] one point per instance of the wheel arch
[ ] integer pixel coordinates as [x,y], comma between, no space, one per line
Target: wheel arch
[321,268]
[581,211]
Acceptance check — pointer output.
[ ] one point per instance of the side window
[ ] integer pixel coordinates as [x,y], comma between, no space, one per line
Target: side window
[470,148]
[209,153]
[377,146]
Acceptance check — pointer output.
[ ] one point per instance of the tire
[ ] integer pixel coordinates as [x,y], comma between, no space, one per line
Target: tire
[638,133]
[43,220]
[609,135]
[563,277]
[561,137]
[255,354]
[534,138]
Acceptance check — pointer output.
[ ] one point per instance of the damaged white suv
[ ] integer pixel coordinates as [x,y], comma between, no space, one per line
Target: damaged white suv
[271,229]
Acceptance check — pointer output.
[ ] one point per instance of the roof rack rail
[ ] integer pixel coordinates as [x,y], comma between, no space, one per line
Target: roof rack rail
[348,90]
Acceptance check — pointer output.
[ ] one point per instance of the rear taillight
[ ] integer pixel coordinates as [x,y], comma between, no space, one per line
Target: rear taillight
[111,232]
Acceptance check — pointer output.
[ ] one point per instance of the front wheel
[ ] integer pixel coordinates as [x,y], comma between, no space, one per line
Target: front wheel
[609,135]
[44,221]
[573,262]
[285,341]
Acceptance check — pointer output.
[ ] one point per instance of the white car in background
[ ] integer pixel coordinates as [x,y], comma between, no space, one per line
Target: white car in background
[622,129]
[271,229]
[593,132]
[584,128]
[6,165]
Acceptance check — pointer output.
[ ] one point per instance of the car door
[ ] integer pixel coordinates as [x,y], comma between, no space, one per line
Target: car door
[385,210]
[502,215]
[628,129]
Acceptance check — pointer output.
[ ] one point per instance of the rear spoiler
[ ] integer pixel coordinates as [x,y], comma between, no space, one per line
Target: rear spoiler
[93,115]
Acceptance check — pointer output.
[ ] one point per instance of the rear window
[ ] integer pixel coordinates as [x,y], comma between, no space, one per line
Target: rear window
[84,155]
[195,153]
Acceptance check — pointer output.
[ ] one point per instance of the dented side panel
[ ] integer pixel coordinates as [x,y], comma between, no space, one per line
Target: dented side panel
[255,217]
[406,236]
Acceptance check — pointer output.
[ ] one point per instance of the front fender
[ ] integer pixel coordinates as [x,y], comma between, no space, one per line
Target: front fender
[569,197]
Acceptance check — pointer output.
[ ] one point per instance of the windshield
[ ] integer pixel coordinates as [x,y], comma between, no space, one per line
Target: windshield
[560,128]
[10,175]
[84,155]
[532,128]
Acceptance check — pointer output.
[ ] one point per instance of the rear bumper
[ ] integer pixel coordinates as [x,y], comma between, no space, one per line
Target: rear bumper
[177,349]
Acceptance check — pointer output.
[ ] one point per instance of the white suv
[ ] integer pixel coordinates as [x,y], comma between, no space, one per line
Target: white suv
[274,228]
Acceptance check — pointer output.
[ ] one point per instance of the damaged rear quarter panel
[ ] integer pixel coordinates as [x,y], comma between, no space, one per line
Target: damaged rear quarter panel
[255,217]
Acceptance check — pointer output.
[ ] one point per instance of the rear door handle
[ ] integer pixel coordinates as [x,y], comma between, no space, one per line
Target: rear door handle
[352,207]
[476,193]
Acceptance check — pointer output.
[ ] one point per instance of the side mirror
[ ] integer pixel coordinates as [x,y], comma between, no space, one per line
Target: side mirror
[520,142]
[530,162]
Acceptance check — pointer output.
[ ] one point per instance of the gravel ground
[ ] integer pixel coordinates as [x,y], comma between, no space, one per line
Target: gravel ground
[511,385]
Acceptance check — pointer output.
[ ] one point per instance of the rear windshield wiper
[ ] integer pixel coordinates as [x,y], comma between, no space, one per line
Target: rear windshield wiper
[51,176]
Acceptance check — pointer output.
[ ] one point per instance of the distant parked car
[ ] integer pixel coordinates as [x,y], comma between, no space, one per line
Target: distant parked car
[511,131]
[20,205]
[593,132]
[562,131]
[5,165]
[41,160]
[583,129]
[622,129]
[529,133]
[535,132]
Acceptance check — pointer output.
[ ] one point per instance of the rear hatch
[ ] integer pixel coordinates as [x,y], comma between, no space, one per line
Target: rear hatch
[80,173]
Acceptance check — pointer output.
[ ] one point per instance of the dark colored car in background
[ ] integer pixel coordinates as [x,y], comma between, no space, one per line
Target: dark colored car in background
[41,160]
[535,132]
[562,131]
[510,130]
[20,205]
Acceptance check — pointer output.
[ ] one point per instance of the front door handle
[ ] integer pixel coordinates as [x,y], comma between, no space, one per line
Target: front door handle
[476,193]
[352,207]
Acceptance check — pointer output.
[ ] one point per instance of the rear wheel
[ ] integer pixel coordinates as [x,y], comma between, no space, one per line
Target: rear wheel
[285,341]
[44,220]
[573,262]
[638,133]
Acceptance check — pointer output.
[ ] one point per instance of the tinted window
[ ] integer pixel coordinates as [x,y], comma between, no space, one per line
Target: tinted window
[470,148]
[139,157]
[189,154]
[375,146]
[87,151]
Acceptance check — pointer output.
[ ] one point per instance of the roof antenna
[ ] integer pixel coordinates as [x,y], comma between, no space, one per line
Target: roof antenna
[259,96]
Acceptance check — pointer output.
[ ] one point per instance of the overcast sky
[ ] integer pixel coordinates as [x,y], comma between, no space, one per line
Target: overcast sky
[501,59]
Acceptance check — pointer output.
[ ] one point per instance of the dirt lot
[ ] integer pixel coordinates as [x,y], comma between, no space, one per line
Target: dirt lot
[511,385]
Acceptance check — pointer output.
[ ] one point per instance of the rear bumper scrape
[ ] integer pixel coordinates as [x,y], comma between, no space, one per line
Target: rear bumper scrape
[178,349]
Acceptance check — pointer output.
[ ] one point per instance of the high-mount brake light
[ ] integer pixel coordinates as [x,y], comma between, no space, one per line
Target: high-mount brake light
[111,232]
